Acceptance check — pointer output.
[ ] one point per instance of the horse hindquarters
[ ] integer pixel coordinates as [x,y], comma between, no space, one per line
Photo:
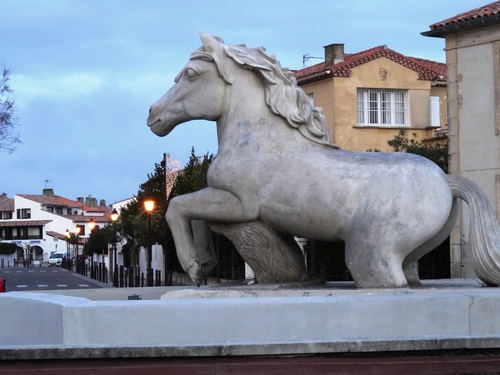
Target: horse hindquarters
[410,264]
[382,239]
[484,229]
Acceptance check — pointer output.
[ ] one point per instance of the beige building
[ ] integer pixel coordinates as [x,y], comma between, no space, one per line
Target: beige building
[367,97]
[472,44]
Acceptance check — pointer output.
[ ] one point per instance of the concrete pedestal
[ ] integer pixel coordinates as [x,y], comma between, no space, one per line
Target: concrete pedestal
[248,321]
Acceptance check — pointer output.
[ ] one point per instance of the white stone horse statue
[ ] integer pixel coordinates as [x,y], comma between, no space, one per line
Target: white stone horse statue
[274,165]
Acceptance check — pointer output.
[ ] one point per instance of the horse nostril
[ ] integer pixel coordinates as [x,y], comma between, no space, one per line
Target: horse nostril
[150,109]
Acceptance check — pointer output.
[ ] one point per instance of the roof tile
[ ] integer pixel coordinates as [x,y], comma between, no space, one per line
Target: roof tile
[426,69]
[484,11]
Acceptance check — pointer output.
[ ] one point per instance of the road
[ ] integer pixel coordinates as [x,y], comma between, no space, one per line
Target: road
[45,278]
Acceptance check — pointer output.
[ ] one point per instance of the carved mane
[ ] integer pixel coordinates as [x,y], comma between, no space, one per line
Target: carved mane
[282,94]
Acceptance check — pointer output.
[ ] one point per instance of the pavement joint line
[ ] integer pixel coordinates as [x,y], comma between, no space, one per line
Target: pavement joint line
[21,286]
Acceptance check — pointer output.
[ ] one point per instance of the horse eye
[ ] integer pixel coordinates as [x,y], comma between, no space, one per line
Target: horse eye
[190,73]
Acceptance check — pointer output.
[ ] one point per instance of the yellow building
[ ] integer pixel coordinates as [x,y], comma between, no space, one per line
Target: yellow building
[367,97]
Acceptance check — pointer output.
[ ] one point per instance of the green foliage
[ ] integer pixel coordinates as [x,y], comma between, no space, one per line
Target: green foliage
[99,239]
[193,176]
[436,152]
[8,120]
[133,220]
[7,248]
[132,223]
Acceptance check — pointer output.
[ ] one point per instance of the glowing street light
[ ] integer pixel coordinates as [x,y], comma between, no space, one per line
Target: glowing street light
[114,273]
[149,206]
[91,224]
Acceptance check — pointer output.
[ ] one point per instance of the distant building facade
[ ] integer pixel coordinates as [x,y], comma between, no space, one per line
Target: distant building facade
[38,224]
[472,45]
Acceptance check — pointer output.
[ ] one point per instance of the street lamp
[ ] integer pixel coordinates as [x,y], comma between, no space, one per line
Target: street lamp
[149,205]
[114,217]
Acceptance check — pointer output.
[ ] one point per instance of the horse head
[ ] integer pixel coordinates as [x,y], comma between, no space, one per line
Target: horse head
[199,92]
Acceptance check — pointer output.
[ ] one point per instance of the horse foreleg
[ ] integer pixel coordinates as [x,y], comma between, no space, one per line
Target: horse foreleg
[204,245]
[209,204]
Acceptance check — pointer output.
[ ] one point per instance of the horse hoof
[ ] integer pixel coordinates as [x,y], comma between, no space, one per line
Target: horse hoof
[195,274]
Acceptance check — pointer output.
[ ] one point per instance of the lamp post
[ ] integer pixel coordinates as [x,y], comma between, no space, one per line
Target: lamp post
[77,231]
[68,236]
[91,227]
[114,217]
[149,206]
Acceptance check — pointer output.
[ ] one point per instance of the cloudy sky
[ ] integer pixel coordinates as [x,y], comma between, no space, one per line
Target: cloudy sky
[85,72]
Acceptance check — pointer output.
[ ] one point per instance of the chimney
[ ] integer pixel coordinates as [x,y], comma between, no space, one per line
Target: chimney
[102,203]
[91,201]
[79,200]
[48,192]
[334,53]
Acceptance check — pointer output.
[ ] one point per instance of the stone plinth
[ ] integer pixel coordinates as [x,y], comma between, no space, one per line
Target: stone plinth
[246,321]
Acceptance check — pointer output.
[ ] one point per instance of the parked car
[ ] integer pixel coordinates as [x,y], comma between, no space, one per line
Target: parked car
[56,259]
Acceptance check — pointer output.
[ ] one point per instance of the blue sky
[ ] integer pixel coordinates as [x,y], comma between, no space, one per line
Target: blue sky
[85,72]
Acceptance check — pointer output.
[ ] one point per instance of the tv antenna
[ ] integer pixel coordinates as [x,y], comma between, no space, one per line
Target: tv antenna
[306,58]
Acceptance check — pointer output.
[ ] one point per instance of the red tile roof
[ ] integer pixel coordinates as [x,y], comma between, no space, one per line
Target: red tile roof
[24,223]
[58,201]
[7,204]
[59,236]
[426,69]
[479,17]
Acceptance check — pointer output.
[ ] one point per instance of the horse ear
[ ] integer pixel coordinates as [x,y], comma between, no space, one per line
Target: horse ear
[210,42]
[214,46]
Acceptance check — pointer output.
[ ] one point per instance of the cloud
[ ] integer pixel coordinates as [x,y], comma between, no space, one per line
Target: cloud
[61,86]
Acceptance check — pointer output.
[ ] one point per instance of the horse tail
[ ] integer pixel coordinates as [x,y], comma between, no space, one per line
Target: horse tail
[484,229]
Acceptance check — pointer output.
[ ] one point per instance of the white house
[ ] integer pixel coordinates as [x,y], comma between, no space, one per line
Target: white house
[39,224]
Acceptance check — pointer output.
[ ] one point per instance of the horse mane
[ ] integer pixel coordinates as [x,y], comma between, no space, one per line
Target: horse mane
[282,94]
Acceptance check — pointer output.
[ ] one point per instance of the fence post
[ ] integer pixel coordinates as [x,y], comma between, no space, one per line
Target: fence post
[121,276]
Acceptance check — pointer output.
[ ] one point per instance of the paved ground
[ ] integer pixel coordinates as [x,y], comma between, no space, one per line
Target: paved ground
[45,278]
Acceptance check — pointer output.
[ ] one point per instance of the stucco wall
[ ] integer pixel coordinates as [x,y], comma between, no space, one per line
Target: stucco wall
[338,98]
[473,122]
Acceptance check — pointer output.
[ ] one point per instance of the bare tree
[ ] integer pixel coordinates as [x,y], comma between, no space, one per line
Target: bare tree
[9,137]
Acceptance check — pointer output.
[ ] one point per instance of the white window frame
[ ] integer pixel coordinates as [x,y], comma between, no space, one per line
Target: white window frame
[382,108]
[435,112]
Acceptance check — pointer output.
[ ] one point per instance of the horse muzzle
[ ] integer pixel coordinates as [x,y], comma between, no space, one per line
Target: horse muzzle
[155,122]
